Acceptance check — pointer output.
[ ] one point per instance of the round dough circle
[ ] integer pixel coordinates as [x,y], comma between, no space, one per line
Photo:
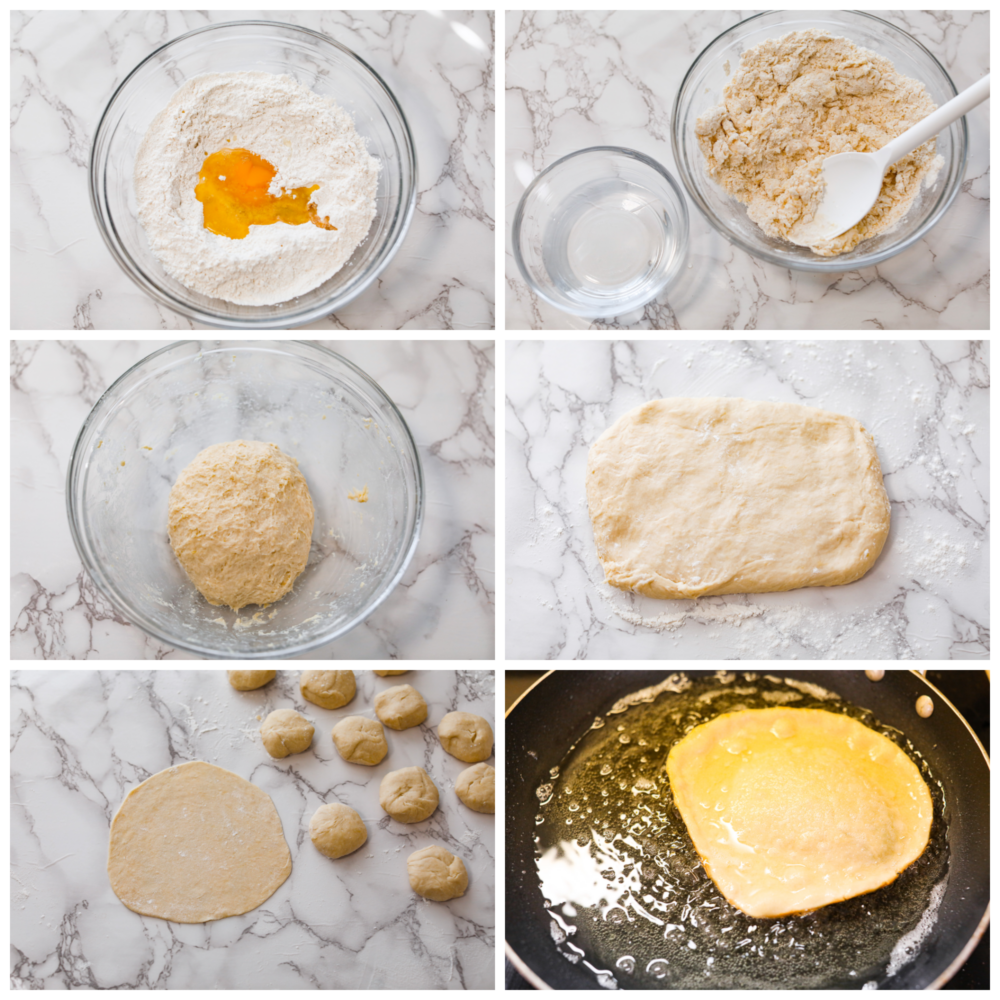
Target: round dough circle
[476,787]
[240,520]
[337,830]
[466,736]
[195,843]
[401,707]
[284,732]
[390,673]
[437,874]
[250,680]
[360,740]
[408,795]
[328,688]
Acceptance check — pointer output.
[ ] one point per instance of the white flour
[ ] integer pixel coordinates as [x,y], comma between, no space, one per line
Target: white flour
[307,138]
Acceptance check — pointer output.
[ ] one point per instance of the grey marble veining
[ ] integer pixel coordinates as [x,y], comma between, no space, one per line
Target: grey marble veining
[443,607]
[583,78]
[81,740]
[926,597]
[65,67]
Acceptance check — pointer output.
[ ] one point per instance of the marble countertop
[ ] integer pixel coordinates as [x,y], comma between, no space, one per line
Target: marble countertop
[67,64]
[927,406]
[584,78]
[443,607]
[81,740]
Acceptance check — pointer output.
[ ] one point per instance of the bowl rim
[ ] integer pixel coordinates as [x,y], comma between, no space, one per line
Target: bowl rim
[821,265]
[515,234]
[101,581]
[291,317]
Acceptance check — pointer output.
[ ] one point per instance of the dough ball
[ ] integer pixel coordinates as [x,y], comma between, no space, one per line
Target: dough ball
[360,740]
[285,731]
[401,707]
[408,795]
[240,521]
[466,736]
[250,680]
[391,673]
[475,786]
[436,874]
[337,830]
[328,688]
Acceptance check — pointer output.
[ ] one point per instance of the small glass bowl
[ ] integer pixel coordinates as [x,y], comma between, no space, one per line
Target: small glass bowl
[601,232]
[702,89]
[315,406]
[317,62]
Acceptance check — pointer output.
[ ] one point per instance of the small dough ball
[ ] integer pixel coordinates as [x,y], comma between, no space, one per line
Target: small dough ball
[337,830]
[475,786]
[391,673]
[360,740]
[437,874]
[285,731]
[401,707]
[328,688]
[466,736]
[408,795]
[250,680]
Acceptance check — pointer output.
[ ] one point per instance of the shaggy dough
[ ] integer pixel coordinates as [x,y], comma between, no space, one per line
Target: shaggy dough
[250,680]
[466,736]
[195,843]
[240,521]
[437,874]
[285,732]
[690,497]
[476,787]
[408,795]
[360,740]
[337,830]
[328,688]
[401,707]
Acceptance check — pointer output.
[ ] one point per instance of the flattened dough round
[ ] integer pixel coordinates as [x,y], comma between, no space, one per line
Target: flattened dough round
[240,520]
[195,843]
[794,808]
[690,497]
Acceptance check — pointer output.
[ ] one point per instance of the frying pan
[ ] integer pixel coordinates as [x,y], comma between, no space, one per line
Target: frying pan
[556,712]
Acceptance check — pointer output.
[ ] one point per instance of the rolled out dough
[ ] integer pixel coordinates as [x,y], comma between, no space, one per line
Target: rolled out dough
[195,843]
[690,497]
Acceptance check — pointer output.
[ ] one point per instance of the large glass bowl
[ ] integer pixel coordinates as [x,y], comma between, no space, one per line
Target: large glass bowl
[702,89]
[317,62]
[315,406]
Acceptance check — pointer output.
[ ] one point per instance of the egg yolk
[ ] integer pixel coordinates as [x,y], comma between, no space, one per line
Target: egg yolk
[233,189]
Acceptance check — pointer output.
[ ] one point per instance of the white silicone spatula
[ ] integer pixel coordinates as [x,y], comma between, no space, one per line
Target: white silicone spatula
[853,180]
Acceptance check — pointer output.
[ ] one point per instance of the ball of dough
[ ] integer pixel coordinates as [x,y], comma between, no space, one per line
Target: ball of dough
[250,680]
[391,673]
[437,874]
[240,521]
[285,731]
[466,736]
[328,688]
[475,787]
[401,707]
[337,830]
[408,795]
[360,740]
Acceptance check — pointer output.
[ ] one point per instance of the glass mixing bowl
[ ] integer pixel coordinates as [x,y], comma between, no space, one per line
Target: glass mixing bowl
[315,406]
[702,89]
[317,62]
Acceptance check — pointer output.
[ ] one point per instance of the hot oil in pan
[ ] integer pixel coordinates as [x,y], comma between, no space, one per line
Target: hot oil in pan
[625,889]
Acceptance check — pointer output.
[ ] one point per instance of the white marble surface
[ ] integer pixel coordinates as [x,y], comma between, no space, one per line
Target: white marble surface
[583,78]
[81,740]
[926,597]
[67,64]
[443,607]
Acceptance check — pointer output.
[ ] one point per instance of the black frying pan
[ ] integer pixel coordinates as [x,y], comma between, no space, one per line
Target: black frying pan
[554,713]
